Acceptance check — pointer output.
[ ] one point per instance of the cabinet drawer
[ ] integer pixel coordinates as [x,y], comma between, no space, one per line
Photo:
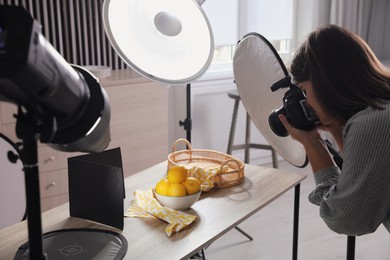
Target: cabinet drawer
[50,159]
[53,183]
[52,202]
[7,112]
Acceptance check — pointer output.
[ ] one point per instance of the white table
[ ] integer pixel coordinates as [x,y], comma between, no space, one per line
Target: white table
[218,211]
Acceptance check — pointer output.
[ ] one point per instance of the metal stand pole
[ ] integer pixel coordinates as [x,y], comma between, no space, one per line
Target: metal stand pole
[351,241]
[187,123]
[29,155]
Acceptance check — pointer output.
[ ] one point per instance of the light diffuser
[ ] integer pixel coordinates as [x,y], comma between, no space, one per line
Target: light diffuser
[168,41]
[257,66]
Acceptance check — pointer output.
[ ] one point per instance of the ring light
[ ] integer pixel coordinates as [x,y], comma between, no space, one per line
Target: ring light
[256,66]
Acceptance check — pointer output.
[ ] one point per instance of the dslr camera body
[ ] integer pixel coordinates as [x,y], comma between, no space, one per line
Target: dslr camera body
[295,108]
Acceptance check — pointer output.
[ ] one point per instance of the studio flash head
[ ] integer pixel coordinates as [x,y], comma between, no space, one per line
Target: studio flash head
[70,109]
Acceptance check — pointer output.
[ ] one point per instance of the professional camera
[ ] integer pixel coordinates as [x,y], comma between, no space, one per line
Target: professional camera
[295,108]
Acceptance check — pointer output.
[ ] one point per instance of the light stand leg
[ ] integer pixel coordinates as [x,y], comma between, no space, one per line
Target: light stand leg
[244,233]
[29,157]
[247,138]
[351,241]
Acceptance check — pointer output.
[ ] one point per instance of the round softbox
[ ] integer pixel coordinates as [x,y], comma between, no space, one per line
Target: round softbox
[257,66]
[168,41]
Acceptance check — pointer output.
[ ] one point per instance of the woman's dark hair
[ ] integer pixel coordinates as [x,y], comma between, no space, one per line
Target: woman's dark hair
[345,73]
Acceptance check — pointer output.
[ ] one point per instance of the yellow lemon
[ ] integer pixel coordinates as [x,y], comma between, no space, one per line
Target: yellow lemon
[177,174]
[162,187]
[177,190]
[192,185]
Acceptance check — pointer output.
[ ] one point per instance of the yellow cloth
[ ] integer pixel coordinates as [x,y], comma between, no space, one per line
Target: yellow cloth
[145,205]
[205,174]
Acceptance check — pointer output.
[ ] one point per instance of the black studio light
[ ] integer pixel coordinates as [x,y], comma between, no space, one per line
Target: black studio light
[69,108]
[58,104]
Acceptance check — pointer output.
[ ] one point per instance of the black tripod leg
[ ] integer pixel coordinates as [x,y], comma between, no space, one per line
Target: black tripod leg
[244,233]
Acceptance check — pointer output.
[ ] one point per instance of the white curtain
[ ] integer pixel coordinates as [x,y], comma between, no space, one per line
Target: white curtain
[368,18]
[223,21]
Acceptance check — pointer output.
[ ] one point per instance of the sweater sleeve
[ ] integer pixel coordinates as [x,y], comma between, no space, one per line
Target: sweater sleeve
[324,179]
[356,200]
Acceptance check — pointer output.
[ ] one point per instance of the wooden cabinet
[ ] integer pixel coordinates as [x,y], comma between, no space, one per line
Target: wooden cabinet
[53,188]
[139,123]
[139,126]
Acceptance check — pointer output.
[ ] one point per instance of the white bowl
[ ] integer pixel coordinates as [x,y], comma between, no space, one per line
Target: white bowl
[178,203]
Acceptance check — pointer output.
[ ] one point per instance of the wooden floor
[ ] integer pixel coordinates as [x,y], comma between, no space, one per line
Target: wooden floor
[271,229]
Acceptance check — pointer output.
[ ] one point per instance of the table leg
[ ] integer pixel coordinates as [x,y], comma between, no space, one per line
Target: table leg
[296,222]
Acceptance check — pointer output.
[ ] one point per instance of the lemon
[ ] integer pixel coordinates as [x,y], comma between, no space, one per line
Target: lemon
[162,187]
[177,174]
[192,185]
[177,190]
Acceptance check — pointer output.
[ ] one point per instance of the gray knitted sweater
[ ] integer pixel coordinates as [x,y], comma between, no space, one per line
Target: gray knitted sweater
[356,200]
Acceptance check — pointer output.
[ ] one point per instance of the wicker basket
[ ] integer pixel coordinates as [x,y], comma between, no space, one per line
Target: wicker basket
[231,169]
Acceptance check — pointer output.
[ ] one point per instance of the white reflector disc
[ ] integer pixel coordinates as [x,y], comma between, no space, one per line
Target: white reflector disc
[12,185]
[168,41]
[256,67]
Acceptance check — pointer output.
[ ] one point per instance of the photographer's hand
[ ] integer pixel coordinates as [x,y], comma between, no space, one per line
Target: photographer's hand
[315,147]
[300,135]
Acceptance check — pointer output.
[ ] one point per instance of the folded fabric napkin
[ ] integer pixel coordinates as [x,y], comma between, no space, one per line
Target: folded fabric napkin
[204,173]
[145,205]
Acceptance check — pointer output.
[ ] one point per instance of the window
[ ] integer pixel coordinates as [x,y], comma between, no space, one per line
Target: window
[232,19]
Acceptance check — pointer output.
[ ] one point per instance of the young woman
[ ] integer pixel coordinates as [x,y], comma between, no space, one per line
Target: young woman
[349,90]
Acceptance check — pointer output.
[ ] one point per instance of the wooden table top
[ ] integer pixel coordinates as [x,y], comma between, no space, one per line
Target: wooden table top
[218,211]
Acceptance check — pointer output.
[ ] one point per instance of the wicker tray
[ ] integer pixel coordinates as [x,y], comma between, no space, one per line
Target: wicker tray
[231,169]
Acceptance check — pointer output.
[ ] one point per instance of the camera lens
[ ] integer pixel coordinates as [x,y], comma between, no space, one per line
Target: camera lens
[275,124]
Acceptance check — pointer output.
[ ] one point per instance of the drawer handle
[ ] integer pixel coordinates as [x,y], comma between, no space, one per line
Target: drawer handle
[52,184]
[50,159]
